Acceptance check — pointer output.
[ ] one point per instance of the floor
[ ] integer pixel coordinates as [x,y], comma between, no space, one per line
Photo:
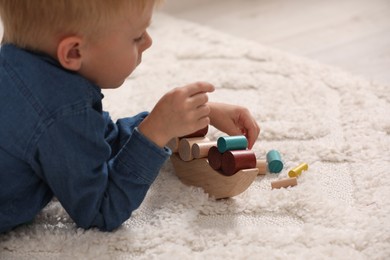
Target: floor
[351,34]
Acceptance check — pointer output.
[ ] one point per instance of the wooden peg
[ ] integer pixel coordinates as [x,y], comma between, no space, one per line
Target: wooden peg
[227,143]
[173,144]
[214,158]
[233,161]
[274,160]
[262,166]
[298,170]
[201,149]
[185,147]
[284,183]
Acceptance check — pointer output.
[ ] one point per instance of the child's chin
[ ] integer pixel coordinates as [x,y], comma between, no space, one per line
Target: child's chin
[113,86]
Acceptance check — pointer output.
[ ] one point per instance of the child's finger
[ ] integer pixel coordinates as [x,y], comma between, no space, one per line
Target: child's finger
[199,87]
[203,111]
[198,99]
[252,130]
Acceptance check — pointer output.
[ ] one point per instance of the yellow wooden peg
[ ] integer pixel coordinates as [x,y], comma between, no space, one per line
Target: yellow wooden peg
[298,170]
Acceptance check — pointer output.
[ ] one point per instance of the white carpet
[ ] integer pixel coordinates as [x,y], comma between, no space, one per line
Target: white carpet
[339,124]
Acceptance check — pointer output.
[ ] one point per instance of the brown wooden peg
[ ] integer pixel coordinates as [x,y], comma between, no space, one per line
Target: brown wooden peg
[235,160]
[215,158]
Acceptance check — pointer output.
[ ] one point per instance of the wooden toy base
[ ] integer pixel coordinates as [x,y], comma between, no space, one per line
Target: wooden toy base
[199,173]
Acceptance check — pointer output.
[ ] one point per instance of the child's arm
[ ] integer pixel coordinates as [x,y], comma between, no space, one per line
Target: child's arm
[98,170]
[234,120]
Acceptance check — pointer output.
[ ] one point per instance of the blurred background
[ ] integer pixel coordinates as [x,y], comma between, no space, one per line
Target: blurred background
[351,34]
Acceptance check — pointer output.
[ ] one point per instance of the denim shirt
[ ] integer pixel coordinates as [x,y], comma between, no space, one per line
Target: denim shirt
[55,140]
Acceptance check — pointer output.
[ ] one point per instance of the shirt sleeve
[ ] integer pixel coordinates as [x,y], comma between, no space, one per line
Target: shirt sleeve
[98,170]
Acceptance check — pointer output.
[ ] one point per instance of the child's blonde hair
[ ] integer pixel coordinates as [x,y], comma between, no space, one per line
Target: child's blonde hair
[33,24]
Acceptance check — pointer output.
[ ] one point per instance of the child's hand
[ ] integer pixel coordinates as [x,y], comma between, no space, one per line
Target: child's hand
[234,120]
[179,112]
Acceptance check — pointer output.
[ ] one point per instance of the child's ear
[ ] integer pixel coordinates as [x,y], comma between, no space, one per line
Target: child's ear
[69,54]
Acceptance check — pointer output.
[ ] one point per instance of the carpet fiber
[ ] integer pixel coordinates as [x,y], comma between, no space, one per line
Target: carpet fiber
[337,123]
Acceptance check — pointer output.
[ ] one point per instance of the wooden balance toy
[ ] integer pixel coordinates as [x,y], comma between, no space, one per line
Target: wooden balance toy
[193,168]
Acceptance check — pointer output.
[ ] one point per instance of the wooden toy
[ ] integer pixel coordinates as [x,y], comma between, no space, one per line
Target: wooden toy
[185,147]
[233,161]
[262,166]
[226,143]
[201,149]
[173,144]
[298,170]
[199,173]
[214,158]
[284,183]
[222,174]
[275,164]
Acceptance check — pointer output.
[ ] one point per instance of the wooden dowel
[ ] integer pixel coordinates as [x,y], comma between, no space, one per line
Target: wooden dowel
[173,144]
[284,183]
[262,166]
[234,161]
[201,149]
[274,160]
[226,143]
[185,147]
[298,170]
[215,158]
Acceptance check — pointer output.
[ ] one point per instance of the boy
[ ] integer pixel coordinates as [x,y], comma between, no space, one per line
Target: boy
[55,139]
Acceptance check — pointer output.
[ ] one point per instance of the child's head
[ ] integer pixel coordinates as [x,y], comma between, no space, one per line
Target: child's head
[83,35]
[31,24]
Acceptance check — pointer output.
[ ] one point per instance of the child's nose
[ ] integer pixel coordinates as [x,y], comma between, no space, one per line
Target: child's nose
[147,42]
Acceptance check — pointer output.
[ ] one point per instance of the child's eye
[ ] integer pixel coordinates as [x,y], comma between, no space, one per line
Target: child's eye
[139,38]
